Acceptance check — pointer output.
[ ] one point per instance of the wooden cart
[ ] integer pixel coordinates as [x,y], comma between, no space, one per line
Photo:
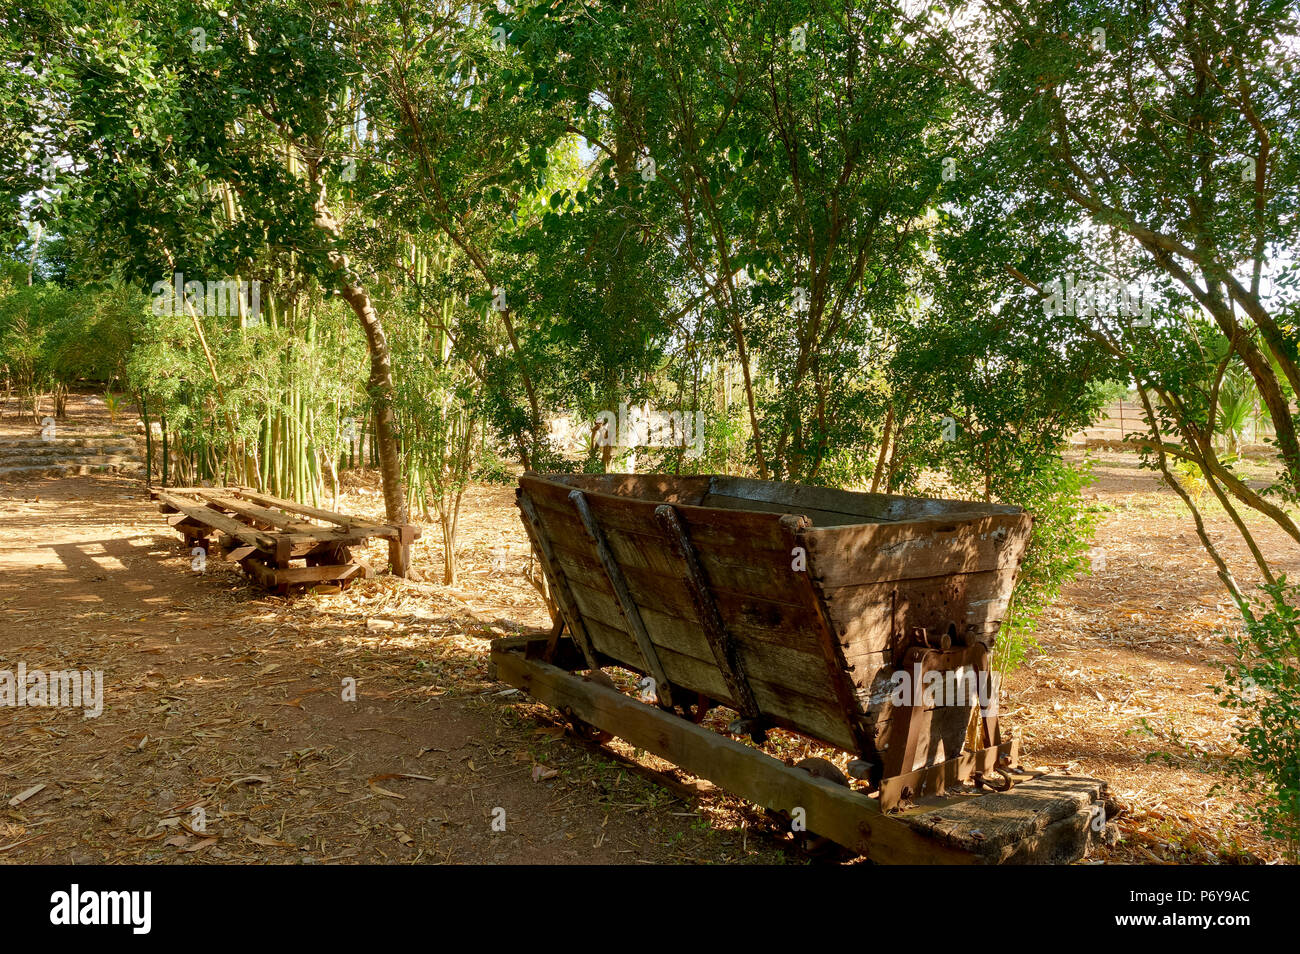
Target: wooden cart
[266,534]
[824,612]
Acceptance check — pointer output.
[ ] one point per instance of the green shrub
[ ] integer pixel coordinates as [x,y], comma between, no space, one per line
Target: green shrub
[1052,490]
[1264,686]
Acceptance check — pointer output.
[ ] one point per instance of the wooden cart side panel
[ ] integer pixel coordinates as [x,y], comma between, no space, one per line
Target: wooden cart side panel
[869,611]
[768,617]
[775,665]
[867,614]
[839,672]
[779,704]
[664,488]
[729,533]
[840,556]
[544,548]
[643,547]
[759,618]
[801,498]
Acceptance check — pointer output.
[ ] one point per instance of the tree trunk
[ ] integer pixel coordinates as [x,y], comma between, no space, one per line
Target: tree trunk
[884,451]
[380,384]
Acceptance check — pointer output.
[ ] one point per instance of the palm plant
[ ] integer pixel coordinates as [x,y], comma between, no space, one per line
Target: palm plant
[1236,406]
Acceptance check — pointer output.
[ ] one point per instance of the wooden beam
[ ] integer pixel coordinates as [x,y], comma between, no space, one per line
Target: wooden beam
[663,689]
[400,555]
[220,521]
[715,631]
[329,516]
[270,576]
[559,584]
[265,515]
[843,814]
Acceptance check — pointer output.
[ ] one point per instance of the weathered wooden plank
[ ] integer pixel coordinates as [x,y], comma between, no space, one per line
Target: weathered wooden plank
[663,488]
[802,671]
[820,518]
[779,697]
[884,552]
[753,617]
[279,521]
[882,507]
[1042,820]
[300,534]
[631,612]
[315,574]
[710,528]
[539,534]
[274,577]
[220,521]
[837,670]
[843,814]
[329,516]
[865,615]
[731,566]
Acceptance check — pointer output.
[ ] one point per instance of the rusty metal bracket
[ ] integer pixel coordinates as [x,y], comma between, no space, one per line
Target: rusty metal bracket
[936,779]
[901,781]
[710,620]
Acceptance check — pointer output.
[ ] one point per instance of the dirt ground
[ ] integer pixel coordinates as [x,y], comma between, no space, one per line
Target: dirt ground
[225,736]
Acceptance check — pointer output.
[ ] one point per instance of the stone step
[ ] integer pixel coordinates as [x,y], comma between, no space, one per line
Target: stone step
[95,440]
[71,460]
[11,454]
[69,470]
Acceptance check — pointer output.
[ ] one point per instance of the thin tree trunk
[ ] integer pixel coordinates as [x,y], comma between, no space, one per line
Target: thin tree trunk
[884,451]
[36,247]
[380,384]
[148,442]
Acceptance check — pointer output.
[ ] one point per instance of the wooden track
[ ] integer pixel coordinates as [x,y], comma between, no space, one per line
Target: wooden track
[265,534]
[1045,818]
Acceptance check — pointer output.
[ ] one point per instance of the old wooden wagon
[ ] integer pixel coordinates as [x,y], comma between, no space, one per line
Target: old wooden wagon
[278,542]
[863,621]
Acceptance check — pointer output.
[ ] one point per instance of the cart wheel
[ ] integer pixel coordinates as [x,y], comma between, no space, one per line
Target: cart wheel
[823,768]
[814,845]
[339,554]
[697,711]
[585,730]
